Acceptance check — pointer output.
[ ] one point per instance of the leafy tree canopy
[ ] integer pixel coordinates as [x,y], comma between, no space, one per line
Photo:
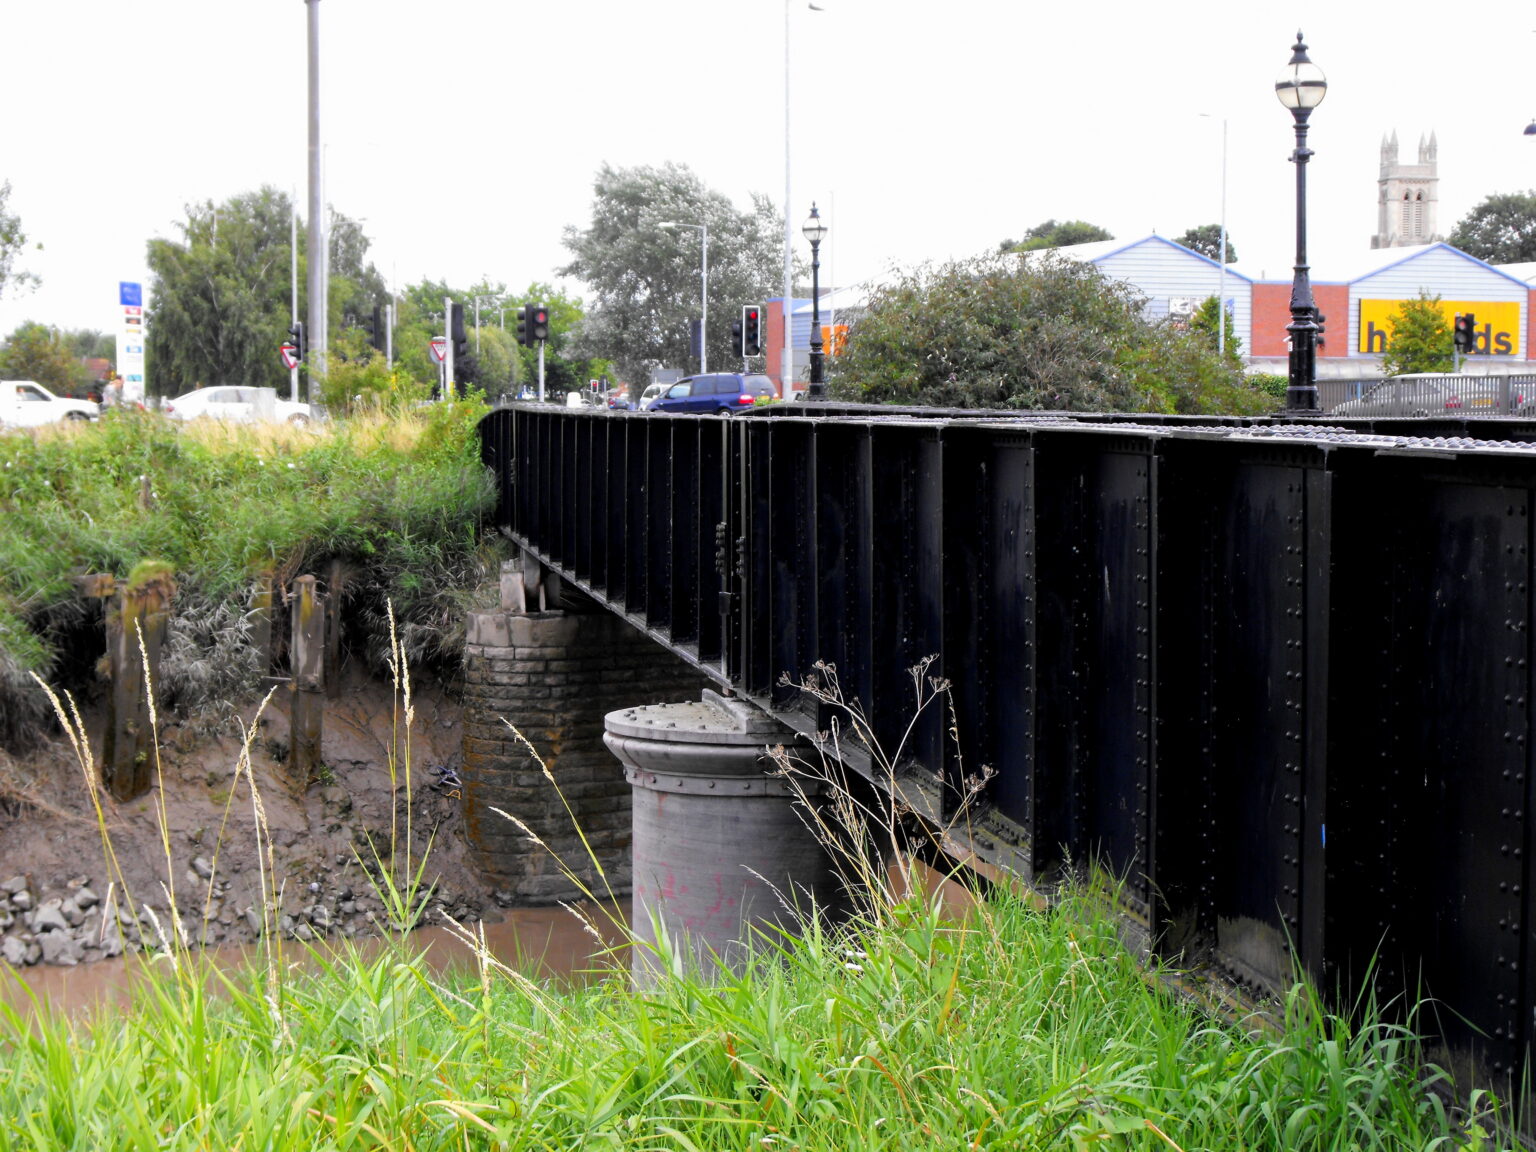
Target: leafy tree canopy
[12,241]
[1500,230]
[645,278]
[1206,240]
[220,296]
[1203,325]
[1056,234]
[1046,332]
[1419,338]
[35,352]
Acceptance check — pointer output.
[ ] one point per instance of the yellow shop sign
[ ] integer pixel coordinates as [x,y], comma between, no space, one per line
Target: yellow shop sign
[1496,324]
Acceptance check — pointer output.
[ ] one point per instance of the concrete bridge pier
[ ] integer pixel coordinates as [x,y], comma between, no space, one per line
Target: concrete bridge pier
[721,853]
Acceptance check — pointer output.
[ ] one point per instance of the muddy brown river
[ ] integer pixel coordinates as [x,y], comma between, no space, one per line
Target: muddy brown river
[544,943]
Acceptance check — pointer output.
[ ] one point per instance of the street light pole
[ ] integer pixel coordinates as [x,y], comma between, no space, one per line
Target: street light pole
[814,230]
[703,288]
[1301,88]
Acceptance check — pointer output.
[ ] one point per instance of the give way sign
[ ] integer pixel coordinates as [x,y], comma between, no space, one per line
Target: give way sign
[290,357]
[440,348]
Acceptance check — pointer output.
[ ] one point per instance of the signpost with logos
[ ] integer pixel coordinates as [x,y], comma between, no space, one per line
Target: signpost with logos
[130,340]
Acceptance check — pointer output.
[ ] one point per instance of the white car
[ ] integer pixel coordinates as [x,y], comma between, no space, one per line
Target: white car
[650,395]
[239,403]
[27,404]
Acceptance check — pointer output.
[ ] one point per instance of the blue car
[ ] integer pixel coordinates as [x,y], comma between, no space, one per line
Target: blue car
[715,393]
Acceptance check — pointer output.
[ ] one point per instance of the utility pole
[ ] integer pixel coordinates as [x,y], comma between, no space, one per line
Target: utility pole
[448,351]
[318,247]
[293,269]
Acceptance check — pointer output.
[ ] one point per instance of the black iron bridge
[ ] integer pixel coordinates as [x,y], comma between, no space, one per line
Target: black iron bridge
[1277,677]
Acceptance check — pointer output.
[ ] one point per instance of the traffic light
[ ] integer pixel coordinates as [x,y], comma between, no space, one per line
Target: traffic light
[296,338]
[751,329]
[456,332]
[538,322]
[1466,325]
[522,325]
[376,333]
[736,337]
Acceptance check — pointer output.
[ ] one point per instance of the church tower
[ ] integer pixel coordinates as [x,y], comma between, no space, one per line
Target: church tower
[1407,196]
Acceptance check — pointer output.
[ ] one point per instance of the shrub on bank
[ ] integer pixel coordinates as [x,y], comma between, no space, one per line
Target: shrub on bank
[397,495]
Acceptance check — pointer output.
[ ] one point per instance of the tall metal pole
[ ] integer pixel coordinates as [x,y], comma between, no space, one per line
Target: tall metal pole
[818,388]
[704,293]
[293,275]
[448,347]
[786,354]
[1301,390]
[1221,311]
[318,248]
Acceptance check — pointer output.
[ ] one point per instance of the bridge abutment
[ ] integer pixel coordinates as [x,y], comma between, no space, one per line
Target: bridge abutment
[553,676]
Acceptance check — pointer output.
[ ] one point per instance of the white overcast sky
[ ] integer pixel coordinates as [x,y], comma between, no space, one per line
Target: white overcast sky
[924,130]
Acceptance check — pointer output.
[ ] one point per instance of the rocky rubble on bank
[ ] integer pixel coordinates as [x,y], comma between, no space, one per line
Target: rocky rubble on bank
[84,919]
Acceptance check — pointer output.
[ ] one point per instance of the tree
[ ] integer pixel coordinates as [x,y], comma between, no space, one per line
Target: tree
[220,296]
[1047,332]
[1419,339]
[1203,325]
[1057,234]
[1206,240]
[645,279]
[221,301]
[35,352]
[1500,230]
[12,241]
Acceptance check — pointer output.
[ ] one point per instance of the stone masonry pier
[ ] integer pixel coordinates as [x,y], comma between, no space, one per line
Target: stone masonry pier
[554,675]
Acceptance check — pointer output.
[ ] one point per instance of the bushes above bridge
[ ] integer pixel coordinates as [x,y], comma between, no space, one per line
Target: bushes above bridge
[1037,332]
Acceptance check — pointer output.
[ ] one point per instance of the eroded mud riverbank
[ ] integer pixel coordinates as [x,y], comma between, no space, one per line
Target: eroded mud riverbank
[70,896]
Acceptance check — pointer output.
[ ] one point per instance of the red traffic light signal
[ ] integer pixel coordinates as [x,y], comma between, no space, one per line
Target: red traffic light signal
[751,329]
[538,322]
[1466,332]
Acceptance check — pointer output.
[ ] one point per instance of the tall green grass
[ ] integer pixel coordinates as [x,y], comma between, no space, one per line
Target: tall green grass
[1016,1028]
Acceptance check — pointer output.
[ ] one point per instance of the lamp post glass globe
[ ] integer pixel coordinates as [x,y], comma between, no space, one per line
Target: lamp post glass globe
[1302,85]
[814,230]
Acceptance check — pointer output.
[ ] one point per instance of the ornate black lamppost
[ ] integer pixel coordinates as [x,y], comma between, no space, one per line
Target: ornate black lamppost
[1301,88]
[813,231]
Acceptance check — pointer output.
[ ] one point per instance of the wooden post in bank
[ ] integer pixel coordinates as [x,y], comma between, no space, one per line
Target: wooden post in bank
[137,616]
[306,709]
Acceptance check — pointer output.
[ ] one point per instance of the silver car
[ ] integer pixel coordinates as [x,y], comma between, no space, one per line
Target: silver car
[1423,395]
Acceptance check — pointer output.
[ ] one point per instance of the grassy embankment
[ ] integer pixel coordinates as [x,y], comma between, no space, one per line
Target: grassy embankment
[397,496]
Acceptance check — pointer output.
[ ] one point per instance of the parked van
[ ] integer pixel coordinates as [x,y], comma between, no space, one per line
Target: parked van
[27,404]
[721,392]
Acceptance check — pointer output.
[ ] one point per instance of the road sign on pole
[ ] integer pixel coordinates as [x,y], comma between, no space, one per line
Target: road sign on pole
[290,357]
[440,348]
